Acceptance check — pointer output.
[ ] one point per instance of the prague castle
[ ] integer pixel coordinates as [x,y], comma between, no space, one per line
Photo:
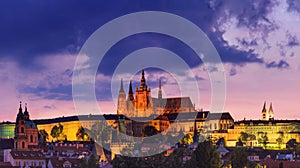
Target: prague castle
[143,105]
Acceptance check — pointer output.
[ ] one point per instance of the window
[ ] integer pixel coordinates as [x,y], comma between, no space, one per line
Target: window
[23,144]
[22,129]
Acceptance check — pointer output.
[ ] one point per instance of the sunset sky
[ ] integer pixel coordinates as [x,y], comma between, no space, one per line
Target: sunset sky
[258,42]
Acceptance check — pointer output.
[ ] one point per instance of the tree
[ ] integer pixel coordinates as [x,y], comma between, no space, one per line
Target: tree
[92,162]
[265,140]
[239,158]
[43,134]
[205,156]
[82,135]
[57,132]
[149,130]
[101,133]
[291,144]
[186,140]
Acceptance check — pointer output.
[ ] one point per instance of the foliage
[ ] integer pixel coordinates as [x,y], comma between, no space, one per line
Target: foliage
[82,163]
[57,132]
[239,158]
[175,159]
[291,144]
[149,131]
[43,133]
[82,134]
[186,140]
[92,162]
[101,133]
[205,156]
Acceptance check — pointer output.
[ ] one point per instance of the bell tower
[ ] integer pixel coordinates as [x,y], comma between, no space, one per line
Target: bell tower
[20,139]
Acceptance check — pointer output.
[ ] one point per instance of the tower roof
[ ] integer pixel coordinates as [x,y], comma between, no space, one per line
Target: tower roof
[271,109]
[143,85]
[121,87]
[130,92]
[264,108]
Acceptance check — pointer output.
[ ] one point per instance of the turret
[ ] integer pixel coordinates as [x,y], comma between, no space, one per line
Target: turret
[20,115]
[271,112]
[26,113]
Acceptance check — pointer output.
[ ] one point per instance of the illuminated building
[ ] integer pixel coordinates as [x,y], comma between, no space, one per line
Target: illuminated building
[143,105]
[7,130]
[271,133]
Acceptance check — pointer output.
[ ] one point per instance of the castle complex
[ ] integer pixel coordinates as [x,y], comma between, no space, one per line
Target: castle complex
[143,105]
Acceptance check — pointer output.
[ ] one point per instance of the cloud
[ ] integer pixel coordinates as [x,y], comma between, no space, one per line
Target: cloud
[281,64]
[294,5]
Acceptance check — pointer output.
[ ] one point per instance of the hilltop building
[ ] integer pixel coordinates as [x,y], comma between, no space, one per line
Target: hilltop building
[141,104]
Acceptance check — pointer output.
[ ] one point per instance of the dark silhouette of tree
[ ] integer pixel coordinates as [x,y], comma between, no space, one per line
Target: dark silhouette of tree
[239,158]
[292,144]
[82,135]
[101,133]
[92,162]
[149,130]
[43,134]
[205,156]
[57,132]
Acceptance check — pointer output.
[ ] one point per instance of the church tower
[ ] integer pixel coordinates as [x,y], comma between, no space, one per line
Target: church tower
[20,140]
[264,113]
[271,112]
[121,100]
[26,132]
[143,101]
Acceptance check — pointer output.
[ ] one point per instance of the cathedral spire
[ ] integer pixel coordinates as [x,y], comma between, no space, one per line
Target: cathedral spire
[130,92]
[143,86]
[121,87]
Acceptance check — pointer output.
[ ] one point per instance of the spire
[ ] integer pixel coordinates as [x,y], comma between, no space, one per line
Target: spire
[26,113]
[25,108]
[264,108]
[143,86]
[121,87]
[20,109]
[271,109]
[130,92]
[159,90]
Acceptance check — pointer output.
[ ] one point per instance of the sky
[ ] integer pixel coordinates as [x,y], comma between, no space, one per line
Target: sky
[257,41]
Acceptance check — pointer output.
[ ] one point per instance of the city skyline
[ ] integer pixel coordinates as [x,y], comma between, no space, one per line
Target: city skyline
[258,45]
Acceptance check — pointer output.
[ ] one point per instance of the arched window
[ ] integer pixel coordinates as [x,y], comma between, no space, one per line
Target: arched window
[31,138]
[22,129]
[23,144]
